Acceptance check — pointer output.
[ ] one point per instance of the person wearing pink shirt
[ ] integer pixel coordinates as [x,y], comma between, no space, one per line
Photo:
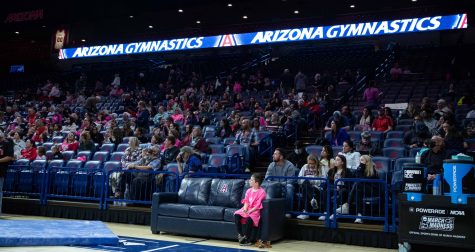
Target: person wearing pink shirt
[250,213]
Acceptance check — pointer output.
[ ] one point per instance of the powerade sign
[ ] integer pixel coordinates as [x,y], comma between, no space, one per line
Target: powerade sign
[436,23]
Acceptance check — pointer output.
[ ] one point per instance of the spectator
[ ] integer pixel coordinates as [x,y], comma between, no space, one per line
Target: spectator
[85,143]
[341,121]
[326,158]
[352,157]
[299,156]
[338,172]
[198,142]
[141,182]
[338,135]
[250,213]
[188,160]
[365,121]
[300,81]
[281,167]
[41,153]
[224,130]
[96,136]
[416,137]
[143,117]
[311,188]
[70,143]
[366,170]
[371,96]
[170,152]
[186,140]
[29,152]
[433,158]
[346,112]
[453,140]
[131,155]
[6,157]
[442,108]
[429,121]
[18,144]
[395,71]
[382,123]
[366,147]
[56,153]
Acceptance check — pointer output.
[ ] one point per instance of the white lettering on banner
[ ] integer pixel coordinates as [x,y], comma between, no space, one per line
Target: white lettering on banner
[410,173]
[430,210]
[331,33]
[457,212]
[437,223]
[413,187]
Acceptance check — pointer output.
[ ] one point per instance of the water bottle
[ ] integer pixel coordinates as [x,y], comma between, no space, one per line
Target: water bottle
[418,157]
[436,185]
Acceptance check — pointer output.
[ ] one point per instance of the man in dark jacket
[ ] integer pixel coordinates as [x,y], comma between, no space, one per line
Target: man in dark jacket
[299,156]
[434,157]
[6,156]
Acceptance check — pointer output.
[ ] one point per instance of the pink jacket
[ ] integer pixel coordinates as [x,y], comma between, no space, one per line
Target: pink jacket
[253,199]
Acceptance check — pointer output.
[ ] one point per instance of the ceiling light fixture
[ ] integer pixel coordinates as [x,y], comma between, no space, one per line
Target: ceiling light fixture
[352,6]
[150,26]
[230,5]
[244,17]
[296,12]
[17,32]
[131,16]
[198,21]
[83,40]
[180,10]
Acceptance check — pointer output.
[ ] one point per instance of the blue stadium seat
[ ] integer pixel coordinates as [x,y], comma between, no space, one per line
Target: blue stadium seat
[394,152]
[213,140]
[379,135]
[405,122]
[109,147]
[393,142]
[101,156]
[216,163]
[209,134]
[68,155]
[237,157]
[216,148]
[86,154]
[122,147]
[395,134]
[315,150]
[39,172]
[229,140]
[125,140]
[58,139]
[116,156]
[355,136]
[399,163]
[382,164]
[48,145]
[403,127]
[170,180]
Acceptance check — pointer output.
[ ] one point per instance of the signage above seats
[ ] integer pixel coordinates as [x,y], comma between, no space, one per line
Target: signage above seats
[435,23]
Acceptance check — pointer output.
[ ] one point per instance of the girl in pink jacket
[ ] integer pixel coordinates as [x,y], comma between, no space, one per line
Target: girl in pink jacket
[250,213]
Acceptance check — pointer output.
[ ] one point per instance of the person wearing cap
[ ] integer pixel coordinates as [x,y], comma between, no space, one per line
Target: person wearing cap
[141,182]
[298,157]
[6,157]
[339,119]
[188,160]
[365,147]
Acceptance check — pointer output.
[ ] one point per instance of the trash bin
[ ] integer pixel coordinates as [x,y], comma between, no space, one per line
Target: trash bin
[459,179]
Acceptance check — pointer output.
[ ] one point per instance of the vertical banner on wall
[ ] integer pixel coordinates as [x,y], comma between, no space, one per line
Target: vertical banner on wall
[60,38]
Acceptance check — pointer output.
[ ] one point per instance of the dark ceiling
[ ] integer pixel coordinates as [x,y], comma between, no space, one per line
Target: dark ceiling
[110,21]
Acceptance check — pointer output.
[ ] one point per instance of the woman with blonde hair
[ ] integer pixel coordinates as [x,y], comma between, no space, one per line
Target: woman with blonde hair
[360,190]
[311,187]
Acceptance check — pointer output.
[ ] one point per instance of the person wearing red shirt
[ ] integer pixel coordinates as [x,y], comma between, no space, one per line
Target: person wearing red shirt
[30,151]
[383,122]
[70,143]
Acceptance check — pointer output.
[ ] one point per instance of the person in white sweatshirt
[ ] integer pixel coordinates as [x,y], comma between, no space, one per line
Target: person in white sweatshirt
[352,156]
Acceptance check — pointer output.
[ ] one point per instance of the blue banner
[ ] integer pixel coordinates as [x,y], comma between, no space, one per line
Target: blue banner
[436,23]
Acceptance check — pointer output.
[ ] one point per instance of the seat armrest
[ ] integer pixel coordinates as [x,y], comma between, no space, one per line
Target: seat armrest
[164,197]
[273,219]
[159,198]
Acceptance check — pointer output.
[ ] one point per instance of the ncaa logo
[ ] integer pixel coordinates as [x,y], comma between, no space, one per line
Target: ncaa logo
[224,188]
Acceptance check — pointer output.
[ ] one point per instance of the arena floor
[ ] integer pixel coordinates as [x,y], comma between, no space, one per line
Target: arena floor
[135,238]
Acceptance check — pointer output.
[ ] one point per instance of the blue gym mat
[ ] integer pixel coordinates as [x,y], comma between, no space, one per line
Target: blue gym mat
[134,244]
[55,233]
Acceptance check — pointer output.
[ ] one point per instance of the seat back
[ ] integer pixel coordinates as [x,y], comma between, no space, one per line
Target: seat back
[394,152]
[116,156]
[194,191]
[315,150]
[216,148]
[68,155]
[102,156]
[393,142]
[226,192]
[84,154]
[108,147]
[382,163]
[122,147]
